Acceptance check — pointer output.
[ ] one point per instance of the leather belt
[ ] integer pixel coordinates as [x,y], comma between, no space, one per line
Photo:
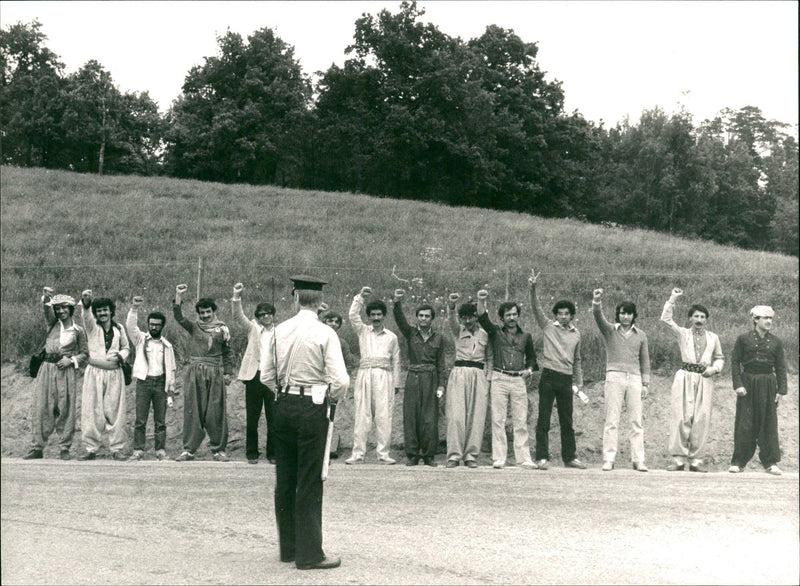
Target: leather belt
[510,372]
[469,364]
[293,390]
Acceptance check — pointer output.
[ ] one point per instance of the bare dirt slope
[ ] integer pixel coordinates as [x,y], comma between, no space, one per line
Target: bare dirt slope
[588,423]
[108,522]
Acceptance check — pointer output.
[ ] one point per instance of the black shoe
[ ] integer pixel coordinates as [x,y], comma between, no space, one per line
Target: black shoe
[412,461]
[429,462]
[287,560]
[675,467]
[34,454]
[64,454]
[327,563]
[700,468]
[252,460]
[88,456]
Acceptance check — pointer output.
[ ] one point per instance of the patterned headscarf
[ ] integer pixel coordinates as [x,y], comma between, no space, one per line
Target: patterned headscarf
[762,311]
[62,300]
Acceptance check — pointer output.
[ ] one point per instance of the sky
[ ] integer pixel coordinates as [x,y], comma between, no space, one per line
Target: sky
[614,59]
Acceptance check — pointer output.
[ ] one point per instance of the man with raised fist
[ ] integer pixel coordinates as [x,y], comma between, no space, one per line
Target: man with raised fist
[514,363]
[424,382]
[154,371]
[627,378]
[205,379]
[467,387]
[378,378]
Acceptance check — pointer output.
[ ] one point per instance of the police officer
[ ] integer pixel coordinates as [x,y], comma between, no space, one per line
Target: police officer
[311,377]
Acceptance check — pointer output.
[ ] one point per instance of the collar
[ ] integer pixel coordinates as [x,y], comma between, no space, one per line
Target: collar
[431,332]
[372,329]
[148,336]
[570,328]
[617,326]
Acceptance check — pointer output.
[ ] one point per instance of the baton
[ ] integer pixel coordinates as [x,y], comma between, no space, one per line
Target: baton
[326,460]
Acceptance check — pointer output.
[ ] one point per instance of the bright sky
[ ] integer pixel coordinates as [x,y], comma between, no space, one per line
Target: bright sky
[613,58]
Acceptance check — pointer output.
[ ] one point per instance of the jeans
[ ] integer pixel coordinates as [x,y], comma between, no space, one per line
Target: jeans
[150,390]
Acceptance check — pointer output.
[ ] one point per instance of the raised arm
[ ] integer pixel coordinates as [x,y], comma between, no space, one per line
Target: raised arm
[87,317]
[236,307]
[355,311]
[131,324]
[597,311]
[177,313]
[483,315]
[49,315]
[538,312]
[669,309]
[399,317]
[452,314]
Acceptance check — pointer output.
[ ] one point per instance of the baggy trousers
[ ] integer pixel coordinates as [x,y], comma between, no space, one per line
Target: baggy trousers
[258,396]
[103,408]
[467,396]
[504,390]
[374,400]
[54,396]
[421,414]
[555,386]
[623,387]
[204,407]
[151,391]
[691,399]
[756,422]
[300,433]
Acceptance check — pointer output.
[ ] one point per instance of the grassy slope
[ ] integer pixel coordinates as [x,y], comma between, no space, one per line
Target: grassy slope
[123,236]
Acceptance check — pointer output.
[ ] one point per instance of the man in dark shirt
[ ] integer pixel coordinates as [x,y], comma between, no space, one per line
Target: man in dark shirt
[514,362]
[758,367]
[424,383]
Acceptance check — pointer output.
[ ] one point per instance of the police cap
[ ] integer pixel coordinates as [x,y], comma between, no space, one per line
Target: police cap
[306,282]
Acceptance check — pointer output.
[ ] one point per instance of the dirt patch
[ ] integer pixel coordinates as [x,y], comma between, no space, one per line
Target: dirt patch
[588,422]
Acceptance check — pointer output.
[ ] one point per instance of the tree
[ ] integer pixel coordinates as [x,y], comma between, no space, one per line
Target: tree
[237,117]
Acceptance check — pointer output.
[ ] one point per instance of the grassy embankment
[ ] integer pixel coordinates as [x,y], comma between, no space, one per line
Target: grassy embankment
[123,236]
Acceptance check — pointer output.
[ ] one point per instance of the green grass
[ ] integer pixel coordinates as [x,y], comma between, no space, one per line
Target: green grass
[126,236]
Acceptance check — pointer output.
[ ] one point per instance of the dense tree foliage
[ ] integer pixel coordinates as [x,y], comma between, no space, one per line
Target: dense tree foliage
[412,113]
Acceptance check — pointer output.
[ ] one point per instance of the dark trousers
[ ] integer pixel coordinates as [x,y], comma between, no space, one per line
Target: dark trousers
[555,386]
[300,433]
[256,396]
[150,391]
[421,415]
[756,422]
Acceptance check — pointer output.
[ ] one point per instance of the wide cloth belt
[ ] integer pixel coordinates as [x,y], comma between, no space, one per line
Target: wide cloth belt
[421,367]
[692,367]
[207,360]
[510,372]
[469,364]
[383,363]
[758,368]
[53,358]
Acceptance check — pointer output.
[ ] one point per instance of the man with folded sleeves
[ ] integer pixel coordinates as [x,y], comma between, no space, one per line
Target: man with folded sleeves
[312,377]
[758,367]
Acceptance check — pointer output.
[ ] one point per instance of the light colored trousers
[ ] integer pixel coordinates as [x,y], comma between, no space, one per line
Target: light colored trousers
[691,415]
[467,396]
[504,390]
[623,387]
[374,400]
[103,408]
[54,396]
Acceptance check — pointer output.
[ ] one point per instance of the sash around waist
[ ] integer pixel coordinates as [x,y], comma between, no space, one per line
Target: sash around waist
[758,368]
[421,367]
[383,363]
[207,360]
[692,367]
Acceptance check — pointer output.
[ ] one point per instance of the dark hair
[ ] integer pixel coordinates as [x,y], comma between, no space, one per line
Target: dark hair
[698,307]
[157,315]
[627,307]
[103,302]
[379,305]
[504,307]
[267,308]
[467,310]
[425,307]
[332,315]
[205,302]
[564,304]
[71,308]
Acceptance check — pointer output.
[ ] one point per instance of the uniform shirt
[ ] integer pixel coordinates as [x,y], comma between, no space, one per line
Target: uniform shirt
[561,346]
[420,349]
[376,347]
[625,351]
[308,353]
[750,348]
[512,351]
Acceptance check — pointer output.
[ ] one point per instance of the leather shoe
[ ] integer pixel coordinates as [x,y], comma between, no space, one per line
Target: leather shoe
[64,454]
[34,455]
[88,456]
[675,467]
[327,563]
[697,468]
[413,461]
[451,464]
[471,464]
[119,456]
[429,462]
[640,467]
[252,461]
[575,463]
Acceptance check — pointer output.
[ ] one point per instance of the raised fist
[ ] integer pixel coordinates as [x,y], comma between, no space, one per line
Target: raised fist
[323,307]
[597,294]
[47,291]
[483,295]
[399,294]
[86,297]
[453,297]
[181,289]
[137,301]
[677,292]
[534,276]
[237,289]
[365,293]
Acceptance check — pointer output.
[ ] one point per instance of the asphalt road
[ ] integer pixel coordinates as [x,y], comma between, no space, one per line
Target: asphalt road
[152,522]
